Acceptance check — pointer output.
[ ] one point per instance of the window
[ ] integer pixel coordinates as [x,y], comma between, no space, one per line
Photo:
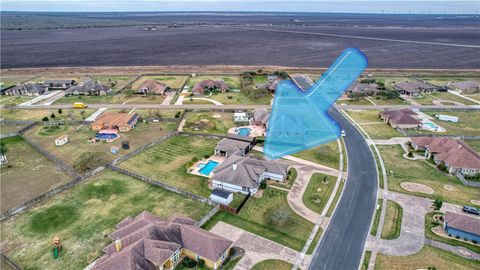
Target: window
[198,257]
[176,256]
[223,256]
[244,188]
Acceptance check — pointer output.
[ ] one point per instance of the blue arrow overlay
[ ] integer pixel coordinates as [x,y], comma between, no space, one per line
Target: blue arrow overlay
[299,118]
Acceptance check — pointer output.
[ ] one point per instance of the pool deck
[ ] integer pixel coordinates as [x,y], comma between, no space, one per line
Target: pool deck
[196,171]
[255,131]
[426,119]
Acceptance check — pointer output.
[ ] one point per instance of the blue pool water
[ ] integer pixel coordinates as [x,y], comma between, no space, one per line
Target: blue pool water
[430,125]
[244,131]
[106,136]
[206,169]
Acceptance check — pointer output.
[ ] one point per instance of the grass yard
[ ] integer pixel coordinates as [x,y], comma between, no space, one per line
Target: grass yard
[113,98]
[425,258]
[430,223]
[373,125]
[240,98]
[376,99]
[312,246]
[474,144]
[401,170]
[27,175]
[254,218]
[389,81]
[174,82]
[272,264]
[196,101]
[167,161]
[468,123]
[79,135]
[444,80]
[366,260]
[427,99]
[119,82]
[326,154]
[318,191]
[393,221]
[5,129]
[165,113]
[365,116]
[38,115]
[82,216]
[475,96]
[376,219]
[13,100]
[11,80]
[208,122]
[336,198]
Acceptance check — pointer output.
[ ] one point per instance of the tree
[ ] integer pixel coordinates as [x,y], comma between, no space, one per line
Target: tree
[437,205]
[44,119]
[3,148]
[278,216]
[52,115]
[60,111]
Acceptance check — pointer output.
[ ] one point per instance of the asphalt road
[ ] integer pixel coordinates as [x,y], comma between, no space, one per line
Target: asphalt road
[343,241]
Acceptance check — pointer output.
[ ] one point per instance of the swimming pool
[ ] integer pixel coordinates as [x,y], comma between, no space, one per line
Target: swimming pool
[431,125]
[106,136]
[206,169]
[244,131]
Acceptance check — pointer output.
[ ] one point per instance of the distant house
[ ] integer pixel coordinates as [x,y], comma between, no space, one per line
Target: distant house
[270,86]
[221,196]
[302,81]
[260,117]
[122,121]
[3,159]
[88,88]
[462,226]
[152,87]
[58,84]
[404,118]
[241,116]
[209,86]
[227,147]
[244,174]
[148,242]
[25,89]
[367,89]
[466,87]
[415,88]
[456,155]
[61,140]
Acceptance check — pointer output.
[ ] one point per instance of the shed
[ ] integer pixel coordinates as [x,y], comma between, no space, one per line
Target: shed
[61,140]
[221,196]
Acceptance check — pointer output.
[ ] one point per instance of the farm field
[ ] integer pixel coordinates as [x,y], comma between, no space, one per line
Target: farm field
[27,175]
[468,123]
[167,162]
[319,190]
[373,125]
[254,218]
[393,221]
[82,216]
[326,154]
[208,122]
[38,115]
[401,170]
[174,82]
[79,135]
[425,258]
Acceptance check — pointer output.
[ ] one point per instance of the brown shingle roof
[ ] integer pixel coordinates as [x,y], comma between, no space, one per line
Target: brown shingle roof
[200,87]
[414,87]
[463,222]
[116,119]
[152,86]
[401,117]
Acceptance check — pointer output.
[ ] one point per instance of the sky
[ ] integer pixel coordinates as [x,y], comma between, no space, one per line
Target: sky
[343,6]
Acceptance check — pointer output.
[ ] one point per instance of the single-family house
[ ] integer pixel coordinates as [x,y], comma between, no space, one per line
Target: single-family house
[88,88]
[58,84]
[111,120]
[415,88]
[209,86]
[221,196]
[466,87]
[260,117]
[366,89]
[152,87]
[244,174]
[456,155]
[25,89]
[61,140]
[462,226]
[148,242]
[227,147]
[403,118]
[270,86]
[302,81]
[241,116]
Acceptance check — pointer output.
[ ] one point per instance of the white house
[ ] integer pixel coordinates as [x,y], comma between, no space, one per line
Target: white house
[3,160]
[221,196]
[241,116]
[61,140]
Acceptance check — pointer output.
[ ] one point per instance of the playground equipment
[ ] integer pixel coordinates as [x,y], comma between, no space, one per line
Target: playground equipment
[56,247]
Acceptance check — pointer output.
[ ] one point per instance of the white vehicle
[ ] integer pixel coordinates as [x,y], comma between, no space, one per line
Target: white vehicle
[343,133]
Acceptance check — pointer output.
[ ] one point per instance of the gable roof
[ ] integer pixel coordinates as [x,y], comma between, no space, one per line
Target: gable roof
[401,117]
[463,222]
[261,115]
[232,146]
[200,86]
[26,88]
[88,85]
[152,86]
[466,85]
[414,87]
[363,87]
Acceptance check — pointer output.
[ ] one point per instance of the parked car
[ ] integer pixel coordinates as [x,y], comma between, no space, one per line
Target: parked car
[343,133]
[471,210]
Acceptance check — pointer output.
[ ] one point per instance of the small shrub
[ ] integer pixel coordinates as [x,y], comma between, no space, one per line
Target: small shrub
[410,154]
[201,263]
[45,119]
[177,115]
[232,252]
[263,185]
[278,215]
[187,262]
[60,111]
[52,115]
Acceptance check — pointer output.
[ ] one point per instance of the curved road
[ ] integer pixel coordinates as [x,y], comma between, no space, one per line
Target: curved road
[342,244]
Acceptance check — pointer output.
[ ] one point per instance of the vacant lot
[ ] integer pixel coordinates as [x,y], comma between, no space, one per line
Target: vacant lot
[174,82]
[208,122]
[401,170]
[28,174]
[444,80]
[445,97]
[82,216]
[13,100]
[38,115]
[318,191]
[393,221]
[373,125]
[326,154]
[11,80]
[254,217]
[167,162]
[4,129]
[427,257]
[79,139]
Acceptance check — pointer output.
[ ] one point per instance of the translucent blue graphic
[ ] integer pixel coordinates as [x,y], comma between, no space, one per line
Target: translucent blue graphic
[300,119]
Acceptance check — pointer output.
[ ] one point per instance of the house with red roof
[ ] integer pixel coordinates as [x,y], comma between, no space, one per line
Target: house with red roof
[404,118]
[209,86]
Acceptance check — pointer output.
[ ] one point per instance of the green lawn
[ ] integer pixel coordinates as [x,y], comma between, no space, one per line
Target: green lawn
[13,100]
[113,98]
[431,223]
[366,260]
[427,99]
[315,241]
[373,125]
[336,198]
[38,115]
[272,264]
[82,216]
[393,221]
[208,122]
[253,218]
[5,129]
[401,170]
[474,144]
[326,154]
[468,123]
[167,161]
[318,191]
[427,257]
[376,219]
[240,98]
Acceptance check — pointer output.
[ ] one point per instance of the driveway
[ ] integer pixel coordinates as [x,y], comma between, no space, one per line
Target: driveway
[168,98]
[257,248]
[295,195]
